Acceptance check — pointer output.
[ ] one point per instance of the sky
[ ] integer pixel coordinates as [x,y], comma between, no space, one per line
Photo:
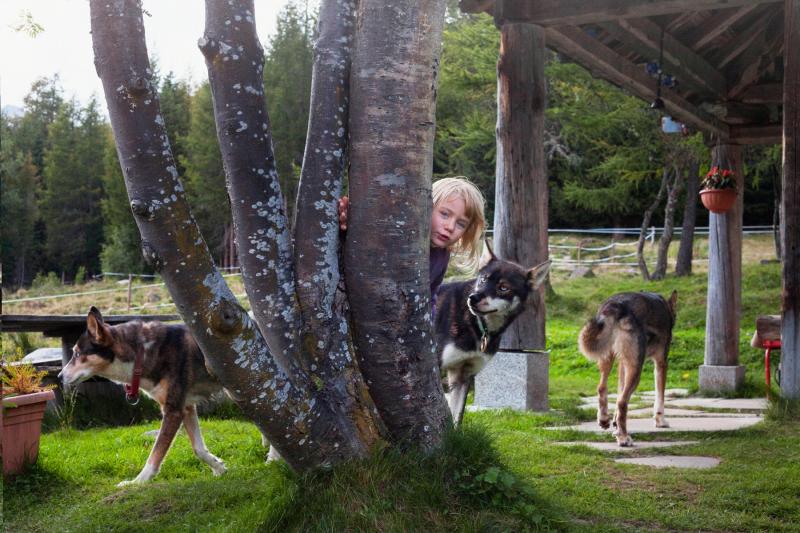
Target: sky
[65,45]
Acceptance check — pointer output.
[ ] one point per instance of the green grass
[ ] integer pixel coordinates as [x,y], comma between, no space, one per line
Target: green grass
[502,472]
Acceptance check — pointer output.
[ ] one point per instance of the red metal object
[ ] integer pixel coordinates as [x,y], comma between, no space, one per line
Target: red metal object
[769,346]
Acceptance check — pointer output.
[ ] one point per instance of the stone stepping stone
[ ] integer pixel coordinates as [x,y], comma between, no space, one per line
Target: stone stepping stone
[752,404]
[645,412]
[645,425]
[672,461]
[612,446]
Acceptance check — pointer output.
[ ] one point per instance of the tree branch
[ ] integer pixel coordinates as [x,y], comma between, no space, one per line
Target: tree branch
[235,62]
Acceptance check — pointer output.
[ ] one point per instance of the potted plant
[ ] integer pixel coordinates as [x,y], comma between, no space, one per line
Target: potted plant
[24,400]
[718,190]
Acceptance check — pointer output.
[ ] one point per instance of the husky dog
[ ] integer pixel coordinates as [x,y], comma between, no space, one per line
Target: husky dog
[472,315]
[173,373]
[630,327]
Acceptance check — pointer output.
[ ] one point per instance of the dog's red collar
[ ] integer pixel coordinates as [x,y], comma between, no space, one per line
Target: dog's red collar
[132,390]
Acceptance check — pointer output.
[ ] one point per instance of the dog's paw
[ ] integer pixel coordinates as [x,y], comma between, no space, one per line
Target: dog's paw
[604,423]
[661,422]
[219,469]
[624,441]
[129,482]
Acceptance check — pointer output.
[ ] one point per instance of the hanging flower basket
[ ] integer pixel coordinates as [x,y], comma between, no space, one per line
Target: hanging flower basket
[719,190]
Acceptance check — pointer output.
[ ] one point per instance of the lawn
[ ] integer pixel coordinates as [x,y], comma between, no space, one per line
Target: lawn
[501,472]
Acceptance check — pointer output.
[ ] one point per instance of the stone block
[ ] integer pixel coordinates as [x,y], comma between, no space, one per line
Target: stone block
[714,378]
[518,380]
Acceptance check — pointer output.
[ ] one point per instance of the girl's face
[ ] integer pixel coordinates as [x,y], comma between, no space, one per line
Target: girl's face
[448,221]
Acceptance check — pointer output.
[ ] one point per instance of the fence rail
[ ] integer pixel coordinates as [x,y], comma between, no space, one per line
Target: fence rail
[580,250]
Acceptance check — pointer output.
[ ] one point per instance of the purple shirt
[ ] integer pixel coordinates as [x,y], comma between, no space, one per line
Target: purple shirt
[440,257]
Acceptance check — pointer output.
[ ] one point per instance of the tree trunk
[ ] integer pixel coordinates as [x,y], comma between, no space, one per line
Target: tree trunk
[520,215]
[683,266]
[235,62]
[393,89]
[669,215]
[648,215]
[303,420]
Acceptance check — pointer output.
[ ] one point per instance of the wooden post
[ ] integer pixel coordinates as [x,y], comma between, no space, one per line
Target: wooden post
[130,282]
[520,215]
[721,370]
[790,208]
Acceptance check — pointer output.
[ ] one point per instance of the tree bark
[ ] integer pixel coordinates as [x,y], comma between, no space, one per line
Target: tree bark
[393,89]
[521,195]
[295,416]
[669,221]
[683,266]
[648,215]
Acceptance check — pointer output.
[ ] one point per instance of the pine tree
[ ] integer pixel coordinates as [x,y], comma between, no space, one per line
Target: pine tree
[70,205]
[287,85]
[205,179]
[18,183]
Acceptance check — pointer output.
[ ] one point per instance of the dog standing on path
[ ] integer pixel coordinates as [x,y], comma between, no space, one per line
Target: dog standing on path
[173,373]
[472,315]
[629,327]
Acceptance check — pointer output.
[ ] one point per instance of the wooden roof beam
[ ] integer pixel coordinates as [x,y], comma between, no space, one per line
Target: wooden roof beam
[607,64]
[680,60]
[756,60]
[716,26]
[765,93]
[575,12]
[771,134]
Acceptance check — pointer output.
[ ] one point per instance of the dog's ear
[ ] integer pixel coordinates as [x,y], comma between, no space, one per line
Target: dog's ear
[98,330]
[673,302]
[538,274]
[487,256]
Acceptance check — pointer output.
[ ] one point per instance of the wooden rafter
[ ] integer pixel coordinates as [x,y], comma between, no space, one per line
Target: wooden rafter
[605,63]
[764,93]
[771,134]
[755,32]
[575,12]
[756,60]
[716,26]
[679,59]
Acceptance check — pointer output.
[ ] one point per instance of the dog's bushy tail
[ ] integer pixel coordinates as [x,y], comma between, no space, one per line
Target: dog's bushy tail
[595,337]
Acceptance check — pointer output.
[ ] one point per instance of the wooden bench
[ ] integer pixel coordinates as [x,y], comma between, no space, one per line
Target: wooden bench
[768,337]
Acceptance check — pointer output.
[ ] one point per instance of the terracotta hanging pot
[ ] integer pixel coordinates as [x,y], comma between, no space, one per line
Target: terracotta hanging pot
[718,200]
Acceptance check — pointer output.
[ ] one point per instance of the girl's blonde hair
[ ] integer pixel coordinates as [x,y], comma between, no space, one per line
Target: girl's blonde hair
[469,247]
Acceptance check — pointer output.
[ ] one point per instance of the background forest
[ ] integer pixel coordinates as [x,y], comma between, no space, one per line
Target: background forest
[65,208]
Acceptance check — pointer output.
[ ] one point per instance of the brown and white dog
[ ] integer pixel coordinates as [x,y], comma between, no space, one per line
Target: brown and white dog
[173,373]
[629,327]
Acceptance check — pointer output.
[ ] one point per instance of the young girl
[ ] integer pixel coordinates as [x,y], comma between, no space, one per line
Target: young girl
[457,225]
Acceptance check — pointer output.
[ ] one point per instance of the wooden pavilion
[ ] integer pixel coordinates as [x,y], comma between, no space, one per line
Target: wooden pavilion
[737,63]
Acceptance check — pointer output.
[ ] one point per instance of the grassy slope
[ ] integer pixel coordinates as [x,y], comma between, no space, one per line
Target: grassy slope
[757,486]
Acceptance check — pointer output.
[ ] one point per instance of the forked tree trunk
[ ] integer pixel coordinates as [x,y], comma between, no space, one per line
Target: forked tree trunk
[648,215]
[683,265]
[393,86]
[669,215]
[298,382]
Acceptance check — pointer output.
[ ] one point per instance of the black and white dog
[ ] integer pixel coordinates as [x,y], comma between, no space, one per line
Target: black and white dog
[472,315]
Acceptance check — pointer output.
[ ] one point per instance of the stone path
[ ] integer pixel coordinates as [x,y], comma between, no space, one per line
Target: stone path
[683,414]
[612,446]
